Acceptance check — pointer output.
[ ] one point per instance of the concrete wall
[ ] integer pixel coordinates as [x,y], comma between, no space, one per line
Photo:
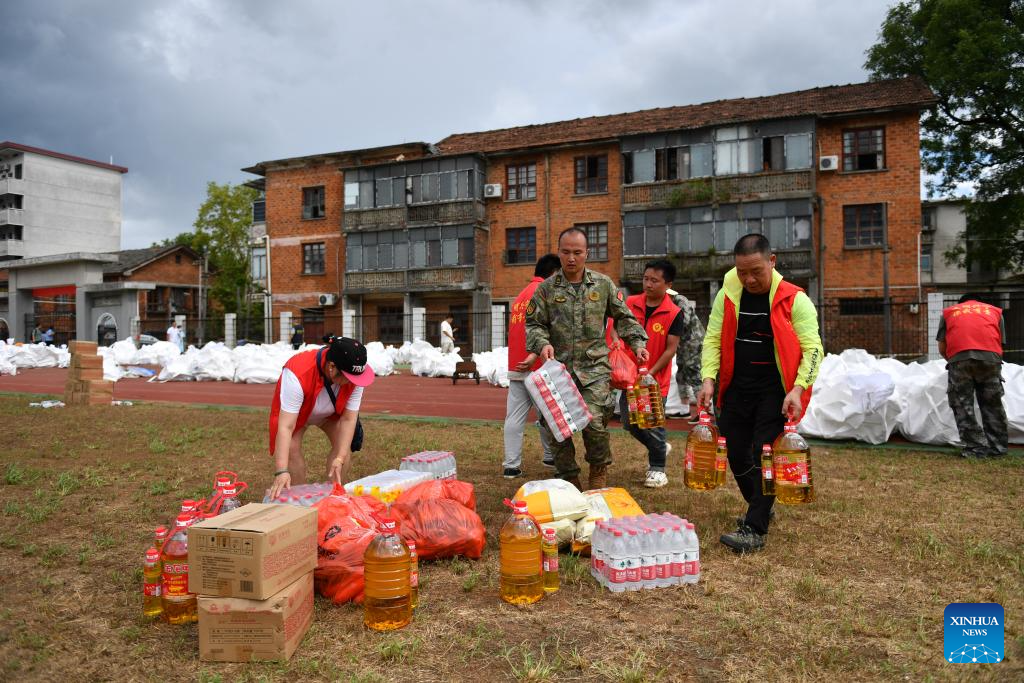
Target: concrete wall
[122,305]
[950,221]
[69,207]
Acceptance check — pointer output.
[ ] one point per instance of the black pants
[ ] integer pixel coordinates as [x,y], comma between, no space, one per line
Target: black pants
[357,437]
[747,422]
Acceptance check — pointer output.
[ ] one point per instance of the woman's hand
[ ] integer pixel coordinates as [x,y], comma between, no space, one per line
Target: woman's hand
[338,466]
[281,482]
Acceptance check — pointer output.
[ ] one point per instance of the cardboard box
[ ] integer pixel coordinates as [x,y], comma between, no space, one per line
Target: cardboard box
[76,346]
[85,374]
[240,630]
[252,552]
[80,361]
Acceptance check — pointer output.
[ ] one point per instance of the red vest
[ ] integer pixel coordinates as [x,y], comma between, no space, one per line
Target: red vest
[517,326]
[973,326]
[787,345]
[303,365]
[657,333]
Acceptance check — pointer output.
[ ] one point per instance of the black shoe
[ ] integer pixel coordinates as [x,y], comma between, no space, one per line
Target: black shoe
[548,463]
[743,540]
[969,454]
[740,521]
[512,472]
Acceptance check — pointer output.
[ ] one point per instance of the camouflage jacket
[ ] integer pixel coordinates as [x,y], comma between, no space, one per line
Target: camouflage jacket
[574,323]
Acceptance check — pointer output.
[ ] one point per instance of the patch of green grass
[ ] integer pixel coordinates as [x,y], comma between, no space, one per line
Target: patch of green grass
[157,446]
[159,488]
[981,550]
[458,565]
[14,474]
[67,483]
[29,550]
[103,540]
[131,634]
[9,543]
[633,671]
[53,555]
[574,570]
[210,677]
[470,582]
[529,667]
[398,650]
[11,509]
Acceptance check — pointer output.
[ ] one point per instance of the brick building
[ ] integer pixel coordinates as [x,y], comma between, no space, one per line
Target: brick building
[831,175]
[174,272]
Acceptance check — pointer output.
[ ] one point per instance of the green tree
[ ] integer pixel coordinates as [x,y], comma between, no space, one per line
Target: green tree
[971,54]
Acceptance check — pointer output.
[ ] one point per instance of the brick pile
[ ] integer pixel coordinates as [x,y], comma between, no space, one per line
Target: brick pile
[85,385]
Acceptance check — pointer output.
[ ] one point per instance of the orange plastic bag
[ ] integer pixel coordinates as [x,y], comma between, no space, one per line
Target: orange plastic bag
[441,527]
[459,491]
[345,526]
[623,368]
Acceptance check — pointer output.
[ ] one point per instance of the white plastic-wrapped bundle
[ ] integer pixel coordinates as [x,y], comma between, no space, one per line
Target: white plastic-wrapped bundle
[213,362]
[1013,401]
[388,481]
[39,356]
[111,370]
[7,366]
[378,358]
[557,399]
[493,366]
[926,415]
[178,369]
[124,352]
[428,361]
[158,353]
[261,363]
[852,399]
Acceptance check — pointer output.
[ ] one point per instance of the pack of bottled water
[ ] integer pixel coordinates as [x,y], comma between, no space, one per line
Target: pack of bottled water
[305,495]
[438,464]
[388,482]
[644,552]
[558,400]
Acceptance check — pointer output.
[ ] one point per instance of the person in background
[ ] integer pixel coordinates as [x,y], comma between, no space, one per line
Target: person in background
[48,335]
[447,334]
[298,336]
[321,387]
[688,354]
[37,335]
[520,364]
[565,321]
[663,322]
[764,349]
[971,337]
[175,337]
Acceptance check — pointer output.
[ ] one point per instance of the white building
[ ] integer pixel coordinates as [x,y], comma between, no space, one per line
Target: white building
[53,203]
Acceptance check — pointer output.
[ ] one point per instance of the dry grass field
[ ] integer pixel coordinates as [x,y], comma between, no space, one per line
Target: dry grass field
[851,588]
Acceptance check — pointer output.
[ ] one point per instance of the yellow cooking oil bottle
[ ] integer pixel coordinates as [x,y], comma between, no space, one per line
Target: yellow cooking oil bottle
[550,562]
[387,604]
[179,606]
[152,569]
[700,466]
[650,408]
[792,459]
[721,461]
[521,580]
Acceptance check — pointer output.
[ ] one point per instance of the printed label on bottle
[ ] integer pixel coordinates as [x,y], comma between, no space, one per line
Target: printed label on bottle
[720,461]
[768,473]
[175,579]
[662,571]
[643,402]
[633,574]
[414,578]
[551,564]
[794,472]
[618,571]
[689,458]
[696,568]
[678,567]
[647,572]
[691,568]
[152,590]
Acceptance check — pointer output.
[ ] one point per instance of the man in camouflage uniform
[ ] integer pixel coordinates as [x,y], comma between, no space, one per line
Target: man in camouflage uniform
[971,337]
[688,354]
[566,321]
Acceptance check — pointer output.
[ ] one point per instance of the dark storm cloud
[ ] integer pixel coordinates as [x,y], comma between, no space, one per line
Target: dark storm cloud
[187,91]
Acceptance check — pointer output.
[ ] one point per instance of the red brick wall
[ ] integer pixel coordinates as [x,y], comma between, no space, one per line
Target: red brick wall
[555,193]
[288,231]
[853,273]
[167,269]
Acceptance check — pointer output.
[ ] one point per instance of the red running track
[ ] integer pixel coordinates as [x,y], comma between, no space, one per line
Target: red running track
[402,394]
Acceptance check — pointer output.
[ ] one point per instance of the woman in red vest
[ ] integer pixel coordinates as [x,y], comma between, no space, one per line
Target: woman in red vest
[322,387]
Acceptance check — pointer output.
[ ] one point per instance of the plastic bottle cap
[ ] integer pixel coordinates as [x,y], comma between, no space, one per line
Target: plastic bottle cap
[520,507]
[188,505]
[411,544]
[152,555]
[721,441]
[183,520]
[549,534]
[790,427]
[766,447]
[221,482]
[229,490]
[705,419]
[160,531]
[643,370]
[387,524]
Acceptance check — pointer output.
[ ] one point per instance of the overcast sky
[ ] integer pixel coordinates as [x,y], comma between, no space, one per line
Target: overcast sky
[187,91]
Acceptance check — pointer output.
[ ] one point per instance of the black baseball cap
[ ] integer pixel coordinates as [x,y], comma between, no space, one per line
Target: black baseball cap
[349,356]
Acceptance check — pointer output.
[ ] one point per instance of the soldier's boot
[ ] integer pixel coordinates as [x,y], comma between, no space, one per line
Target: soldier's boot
[598,477]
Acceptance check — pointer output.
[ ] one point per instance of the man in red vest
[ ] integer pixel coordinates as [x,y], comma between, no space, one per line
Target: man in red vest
[322,387]
[520,364]
[663,322]
[971,336]
[763,347]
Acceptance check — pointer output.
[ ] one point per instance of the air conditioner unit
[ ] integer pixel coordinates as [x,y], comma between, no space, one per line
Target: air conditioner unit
[328,299]
[829,163]
[492,190]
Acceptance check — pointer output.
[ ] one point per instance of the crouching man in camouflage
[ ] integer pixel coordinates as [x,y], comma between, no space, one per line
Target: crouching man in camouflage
[566,321]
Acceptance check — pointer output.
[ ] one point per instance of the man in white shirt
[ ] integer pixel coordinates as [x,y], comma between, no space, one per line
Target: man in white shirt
[174,335]
[447,334]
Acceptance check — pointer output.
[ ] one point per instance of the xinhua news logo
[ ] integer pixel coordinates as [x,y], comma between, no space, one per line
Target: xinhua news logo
[973,633]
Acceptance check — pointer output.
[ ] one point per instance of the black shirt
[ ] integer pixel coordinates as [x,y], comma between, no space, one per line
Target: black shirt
[755,369]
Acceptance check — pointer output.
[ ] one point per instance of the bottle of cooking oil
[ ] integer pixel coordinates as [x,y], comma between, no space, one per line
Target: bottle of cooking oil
[793,483]
[414,573]
[550,561]
[179,605]
[632,404]
[700,467]
[160,535]
[388,601]
[152,603]
[721,461]
[521,580]
[767,471]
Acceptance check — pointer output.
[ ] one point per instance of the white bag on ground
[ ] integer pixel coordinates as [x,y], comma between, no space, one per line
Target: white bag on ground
[549,500]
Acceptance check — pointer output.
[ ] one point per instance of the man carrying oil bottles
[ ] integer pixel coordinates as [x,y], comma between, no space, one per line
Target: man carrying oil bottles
[565,321]
[763,349]
[971,337]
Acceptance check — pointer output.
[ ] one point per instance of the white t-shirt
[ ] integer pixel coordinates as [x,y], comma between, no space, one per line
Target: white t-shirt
[173,335]
[446,330]
[291,399]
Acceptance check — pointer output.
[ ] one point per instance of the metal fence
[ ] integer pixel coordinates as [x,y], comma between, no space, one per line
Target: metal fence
[898,330]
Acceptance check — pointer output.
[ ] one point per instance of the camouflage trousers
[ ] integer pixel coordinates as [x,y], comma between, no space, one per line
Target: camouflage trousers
[595,435]
[982,379]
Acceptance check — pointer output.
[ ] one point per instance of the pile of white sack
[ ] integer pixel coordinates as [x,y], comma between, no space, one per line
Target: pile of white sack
[858,396]
[14,358]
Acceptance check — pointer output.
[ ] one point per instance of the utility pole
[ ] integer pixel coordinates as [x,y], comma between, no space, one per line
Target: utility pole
[886,303]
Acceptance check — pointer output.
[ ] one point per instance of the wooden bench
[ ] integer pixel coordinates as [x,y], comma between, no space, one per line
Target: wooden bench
[465,370]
